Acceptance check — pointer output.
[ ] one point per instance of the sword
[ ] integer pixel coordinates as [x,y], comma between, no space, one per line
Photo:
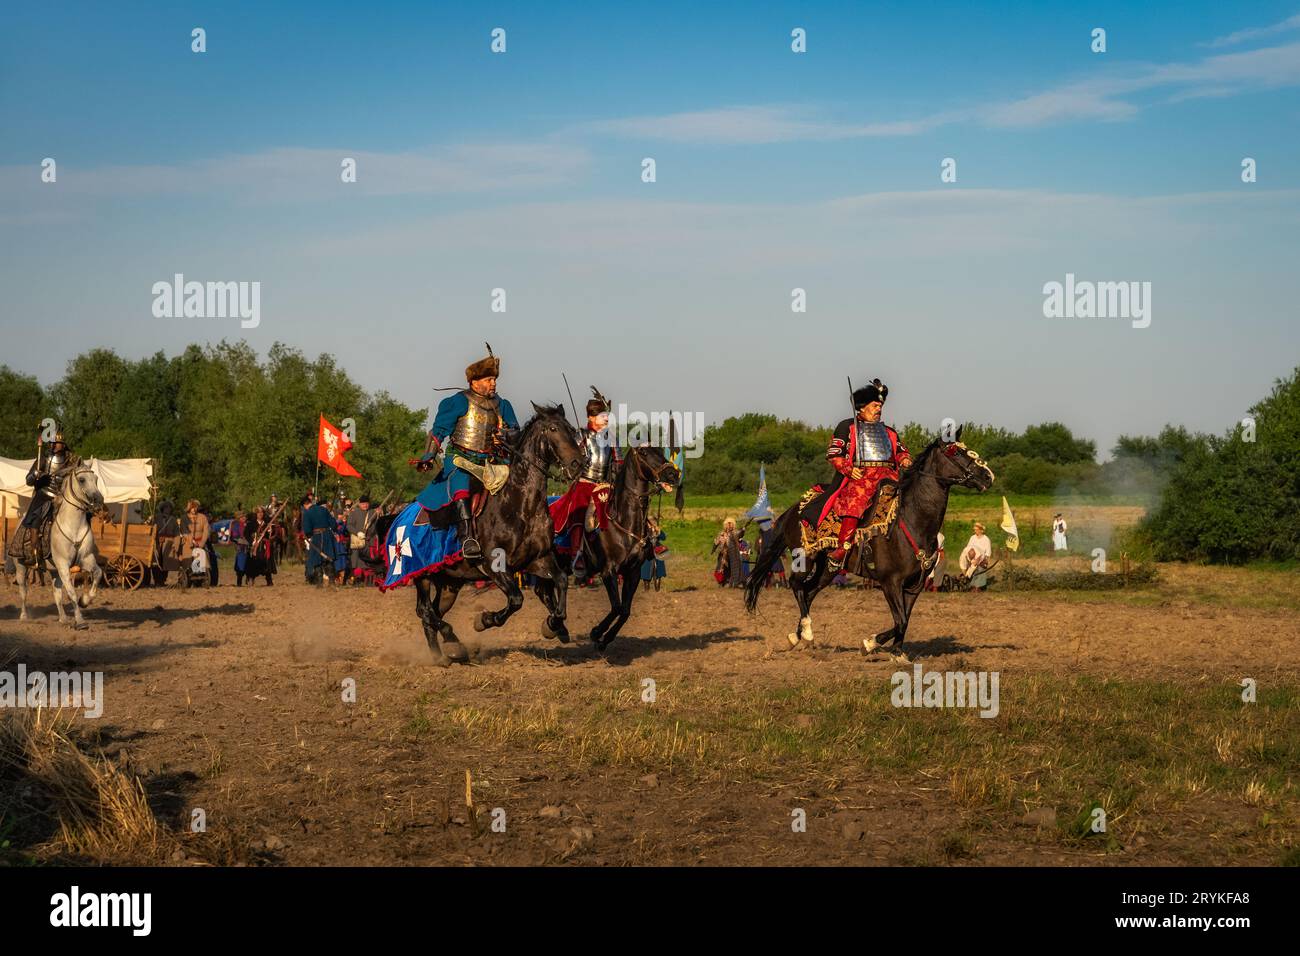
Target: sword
[576,420]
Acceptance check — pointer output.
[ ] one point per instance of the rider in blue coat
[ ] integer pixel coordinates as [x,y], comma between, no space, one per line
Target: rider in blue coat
[474,424]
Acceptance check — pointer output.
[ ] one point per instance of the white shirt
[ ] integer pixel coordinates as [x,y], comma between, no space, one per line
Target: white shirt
[982,546]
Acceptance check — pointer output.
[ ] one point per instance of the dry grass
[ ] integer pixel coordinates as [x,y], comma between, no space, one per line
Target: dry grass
[66,804]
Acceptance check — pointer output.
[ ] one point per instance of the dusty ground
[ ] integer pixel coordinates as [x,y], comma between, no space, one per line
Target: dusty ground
[230,700]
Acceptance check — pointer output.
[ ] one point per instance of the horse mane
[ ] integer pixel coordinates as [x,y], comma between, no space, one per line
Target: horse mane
[544,413]
[918,463]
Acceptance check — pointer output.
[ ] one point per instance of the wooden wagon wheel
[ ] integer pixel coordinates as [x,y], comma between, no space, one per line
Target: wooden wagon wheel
[125,571]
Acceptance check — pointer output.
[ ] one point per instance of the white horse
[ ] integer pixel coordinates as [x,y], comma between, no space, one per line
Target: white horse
[71,542]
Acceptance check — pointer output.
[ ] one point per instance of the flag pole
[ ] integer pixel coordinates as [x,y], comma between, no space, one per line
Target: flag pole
[316,483]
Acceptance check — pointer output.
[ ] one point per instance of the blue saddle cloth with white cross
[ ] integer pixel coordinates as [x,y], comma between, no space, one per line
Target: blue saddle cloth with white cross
[413,549]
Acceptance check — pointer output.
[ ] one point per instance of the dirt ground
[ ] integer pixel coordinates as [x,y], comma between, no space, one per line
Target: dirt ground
[230,700]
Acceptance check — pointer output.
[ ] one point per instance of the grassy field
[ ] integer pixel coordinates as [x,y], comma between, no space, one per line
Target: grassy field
[1148,754]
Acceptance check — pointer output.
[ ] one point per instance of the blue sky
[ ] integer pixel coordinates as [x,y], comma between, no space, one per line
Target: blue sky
[775,170]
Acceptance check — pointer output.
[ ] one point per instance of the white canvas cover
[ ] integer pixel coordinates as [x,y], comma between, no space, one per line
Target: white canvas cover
[122,480]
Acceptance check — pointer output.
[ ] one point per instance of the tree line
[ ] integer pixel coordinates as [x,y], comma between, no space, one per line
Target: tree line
[222,426]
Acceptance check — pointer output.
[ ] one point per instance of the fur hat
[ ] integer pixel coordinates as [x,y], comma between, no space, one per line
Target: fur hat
[598,405]
[485,367]
[873,392]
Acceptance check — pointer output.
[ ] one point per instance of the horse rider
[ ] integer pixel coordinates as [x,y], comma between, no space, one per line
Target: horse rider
[863,451]
[475,424]
[584,508]
[46,479]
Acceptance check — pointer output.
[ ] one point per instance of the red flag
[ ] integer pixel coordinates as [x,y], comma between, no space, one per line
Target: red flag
[331,443]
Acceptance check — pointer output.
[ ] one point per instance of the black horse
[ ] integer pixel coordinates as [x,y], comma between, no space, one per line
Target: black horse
[514,530]
[899,560]
[626,540]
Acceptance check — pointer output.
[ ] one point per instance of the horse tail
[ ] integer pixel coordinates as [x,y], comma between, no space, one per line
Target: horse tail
[787,531]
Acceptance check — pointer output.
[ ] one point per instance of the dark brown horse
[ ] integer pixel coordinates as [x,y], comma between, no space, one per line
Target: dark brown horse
[514,530]
[625,542]
[899,560]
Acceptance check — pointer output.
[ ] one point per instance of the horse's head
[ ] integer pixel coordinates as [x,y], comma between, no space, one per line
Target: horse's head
[954,463]
[553,439]
[81,489]
[650,465]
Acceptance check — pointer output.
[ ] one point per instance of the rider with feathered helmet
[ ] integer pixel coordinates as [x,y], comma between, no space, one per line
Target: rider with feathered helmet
[584,508]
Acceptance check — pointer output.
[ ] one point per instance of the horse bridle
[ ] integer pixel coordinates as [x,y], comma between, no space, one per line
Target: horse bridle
[654,478]
[964,479]
[656,475]
[68,493]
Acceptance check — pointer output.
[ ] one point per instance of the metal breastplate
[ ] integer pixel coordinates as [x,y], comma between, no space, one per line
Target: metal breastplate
[599,458]
[474,429]
[873,446]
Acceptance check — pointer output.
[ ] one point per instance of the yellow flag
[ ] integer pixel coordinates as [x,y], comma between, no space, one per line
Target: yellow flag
[1009,526]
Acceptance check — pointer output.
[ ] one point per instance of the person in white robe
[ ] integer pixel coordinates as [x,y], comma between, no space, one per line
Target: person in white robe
[975,558]
[1058,534]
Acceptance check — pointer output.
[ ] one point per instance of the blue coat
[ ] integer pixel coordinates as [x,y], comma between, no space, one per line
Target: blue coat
[451,483]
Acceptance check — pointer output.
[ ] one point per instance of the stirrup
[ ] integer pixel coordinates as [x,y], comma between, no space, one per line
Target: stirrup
[470,548]
[835,564]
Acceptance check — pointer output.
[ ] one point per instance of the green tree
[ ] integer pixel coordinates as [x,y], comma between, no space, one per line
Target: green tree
[23,405]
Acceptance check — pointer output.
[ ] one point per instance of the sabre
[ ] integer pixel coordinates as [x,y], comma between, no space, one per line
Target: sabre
[851,405]
[576,420]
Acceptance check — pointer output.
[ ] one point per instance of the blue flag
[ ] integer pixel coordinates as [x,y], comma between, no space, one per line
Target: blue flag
[763,505]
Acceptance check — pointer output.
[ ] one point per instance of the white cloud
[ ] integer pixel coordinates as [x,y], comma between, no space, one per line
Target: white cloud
[1254,33]
[1108,98]
[291,173]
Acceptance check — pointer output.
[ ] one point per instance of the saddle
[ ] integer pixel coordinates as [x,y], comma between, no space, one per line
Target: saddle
[881,515]
[20,545]
[446,517]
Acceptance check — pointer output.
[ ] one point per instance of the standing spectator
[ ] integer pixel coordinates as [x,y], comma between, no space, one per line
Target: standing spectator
[168,539]
[1058,534]
[260,556]
[975,558]
[358,524]
[653,567]
[318,534]
[214,571]
[728,570]
[342,553]
[198,533]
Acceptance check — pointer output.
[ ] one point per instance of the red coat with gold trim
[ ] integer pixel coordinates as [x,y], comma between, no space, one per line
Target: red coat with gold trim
[850,496]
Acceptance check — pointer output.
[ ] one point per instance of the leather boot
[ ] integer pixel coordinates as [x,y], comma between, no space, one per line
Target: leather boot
[469,545]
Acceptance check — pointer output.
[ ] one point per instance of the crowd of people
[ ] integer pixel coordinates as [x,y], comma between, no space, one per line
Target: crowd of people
[327,536]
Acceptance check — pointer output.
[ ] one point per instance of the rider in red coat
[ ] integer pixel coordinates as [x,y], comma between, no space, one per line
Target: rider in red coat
[864,451]
[584,509]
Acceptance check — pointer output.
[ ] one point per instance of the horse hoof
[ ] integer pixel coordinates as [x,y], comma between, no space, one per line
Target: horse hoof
[455,652]
[480,623]
[870,645]
[900,657]
[440,660]
[81,626]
